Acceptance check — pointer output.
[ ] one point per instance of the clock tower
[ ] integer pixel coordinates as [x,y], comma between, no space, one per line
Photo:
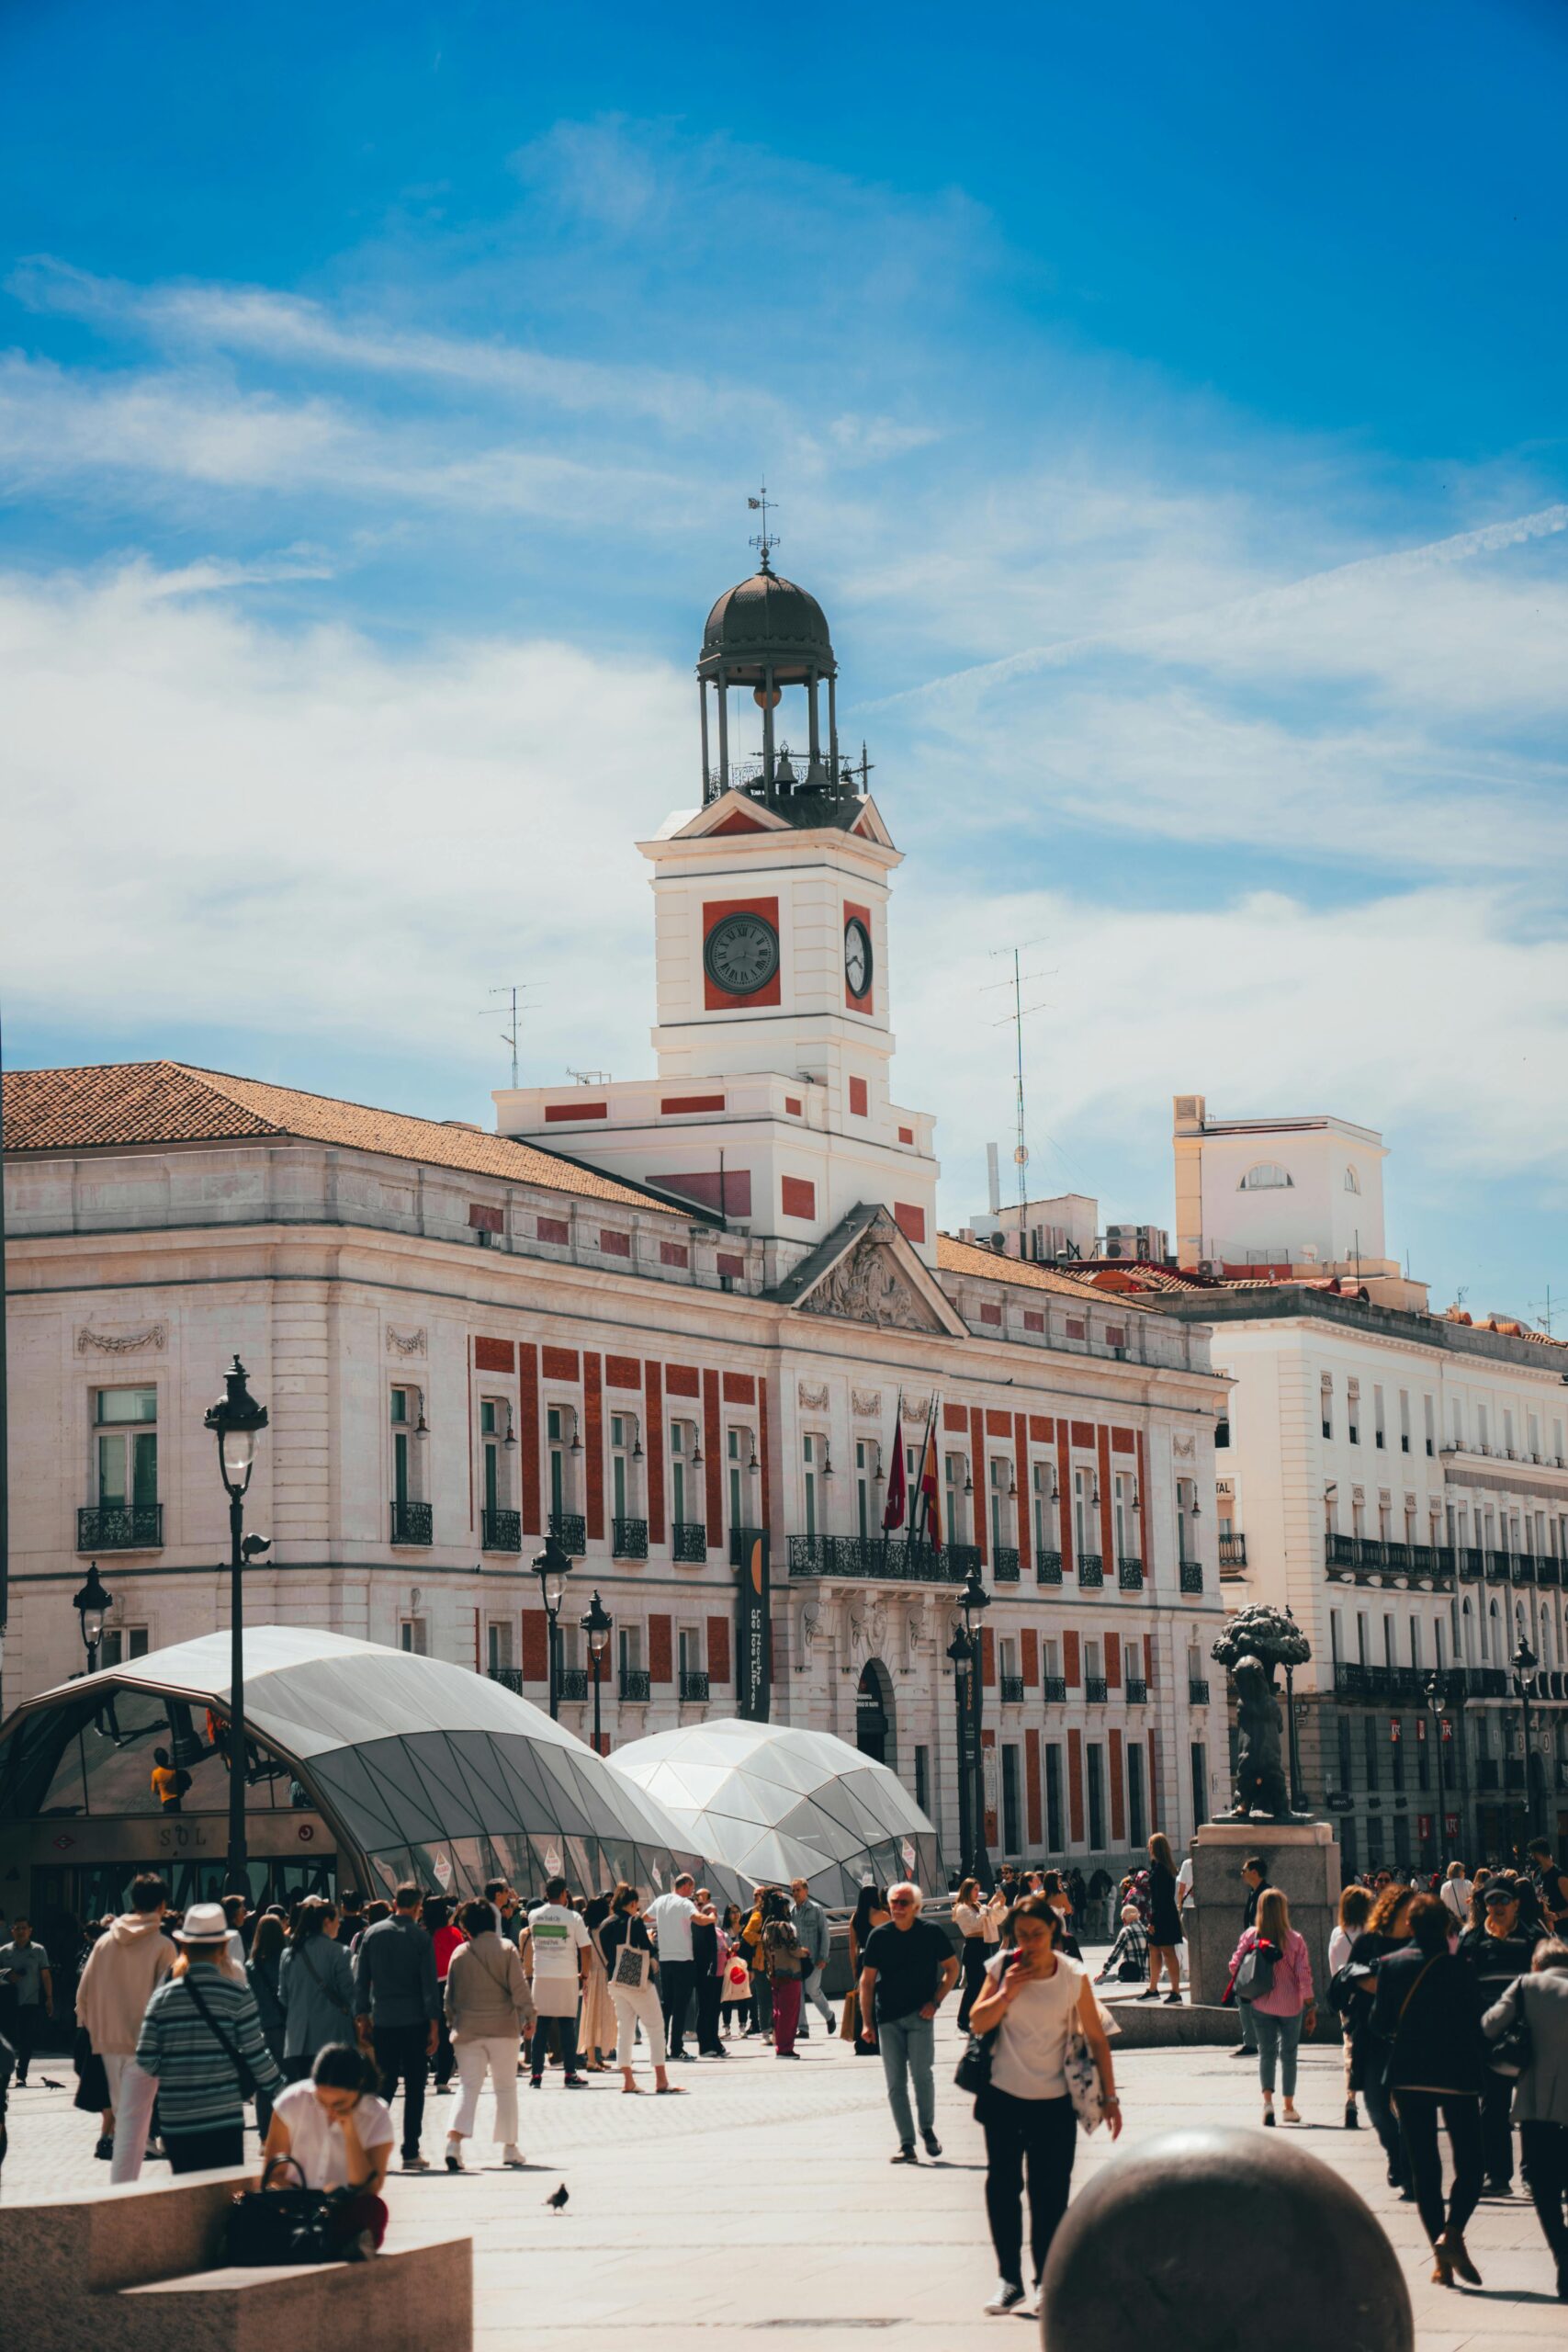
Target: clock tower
[771,1101]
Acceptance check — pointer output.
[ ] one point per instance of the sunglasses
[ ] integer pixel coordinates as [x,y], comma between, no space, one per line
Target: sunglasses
[902,1903]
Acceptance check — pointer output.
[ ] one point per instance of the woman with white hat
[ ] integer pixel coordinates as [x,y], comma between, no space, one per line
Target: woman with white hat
[202,2043]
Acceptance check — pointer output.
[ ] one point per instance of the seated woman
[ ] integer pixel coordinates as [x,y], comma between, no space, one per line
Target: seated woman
[340,2135]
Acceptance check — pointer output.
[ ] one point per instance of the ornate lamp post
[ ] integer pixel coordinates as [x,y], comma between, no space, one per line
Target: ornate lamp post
[1524,1662]
[92,1604]
[1298,1796]
[236,1420]
[596,1625]
[1436,1689]
[965,1652]
[552,1566]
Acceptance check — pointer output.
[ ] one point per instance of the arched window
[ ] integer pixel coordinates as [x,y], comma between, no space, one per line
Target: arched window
[1352,1182]
[1266,1177]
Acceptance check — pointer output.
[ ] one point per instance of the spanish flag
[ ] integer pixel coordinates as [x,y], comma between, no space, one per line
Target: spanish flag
[928,1504]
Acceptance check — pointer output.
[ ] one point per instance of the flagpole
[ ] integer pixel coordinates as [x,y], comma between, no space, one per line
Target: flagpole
[897,1443]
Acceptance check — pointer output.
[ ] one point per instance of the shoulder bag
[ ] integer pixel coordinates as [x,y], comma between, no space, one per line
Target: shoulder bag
[247,2081]
[631,1970]
[1255,1977]
[1514,2050]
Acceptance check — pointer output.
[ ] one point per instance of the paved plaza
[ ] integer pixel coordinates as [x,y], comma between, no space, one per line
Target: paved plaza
[763,2204]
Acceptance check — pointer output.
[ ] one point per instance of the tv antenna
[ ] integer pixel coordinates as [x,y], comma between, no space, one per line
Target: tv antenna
[512,992]
[766,540]
[1016,1019]
[1545,1313]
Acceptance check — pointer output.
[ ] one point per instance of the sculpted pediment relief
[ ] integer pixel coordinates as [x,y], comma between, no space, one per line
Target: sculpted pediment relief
[868,1285]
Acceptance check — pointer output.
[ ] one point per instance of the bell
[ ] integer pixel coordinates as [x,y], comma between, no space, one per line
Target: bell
[766,700]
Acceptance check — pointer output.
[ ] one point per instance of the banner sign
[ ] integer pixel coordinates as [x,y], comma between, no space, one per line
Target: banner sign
[753,1662]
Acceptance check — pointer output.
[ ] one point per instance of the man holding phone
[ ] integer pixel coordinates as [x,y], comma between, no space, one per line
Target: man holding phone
[908,1970]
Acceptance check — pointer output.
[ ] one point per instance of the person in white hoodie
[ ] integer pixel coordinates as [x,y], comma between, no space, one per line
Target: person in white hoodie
[124,1968]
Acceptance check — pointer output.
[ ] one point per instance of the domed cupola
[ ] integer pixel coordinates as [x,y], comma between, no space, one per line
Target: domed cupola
[767,635]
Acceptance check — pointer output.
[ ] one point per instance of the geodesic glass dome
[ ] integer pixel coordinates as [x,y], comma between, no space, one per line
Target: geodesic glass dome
[421,1769]
[777,1803]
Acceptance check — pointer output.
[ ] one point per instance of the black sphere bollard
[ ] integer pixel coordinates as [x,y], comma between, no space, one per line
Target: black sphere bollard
[1213,2238]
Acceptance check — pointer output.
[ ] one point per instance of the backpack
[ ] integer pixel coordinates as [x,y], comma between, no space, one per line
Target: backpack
[1255,1977]
[182,1781]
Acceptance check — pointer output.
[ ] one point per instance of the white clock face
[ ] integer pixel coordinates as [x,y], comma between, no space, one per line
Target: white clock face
[857,956]
[742,954]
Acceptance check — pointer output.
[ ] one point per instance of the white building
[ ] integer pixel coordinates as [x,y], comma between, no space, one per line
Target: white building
[702,1324]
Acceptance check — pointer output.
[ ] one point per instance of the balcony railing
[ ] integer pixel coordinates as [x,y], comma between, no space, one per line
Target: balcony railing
[412,1523]
[570,1531]
[1549,1571]
[1005,1563]
[1496,1567]
[1375,1557]
[1048,1567]
[1471,1564]
[636,1685]
[688,1540]
[1095,1689]
[509,1676]
[1129,1575]
[1197,1690]
[1137,1691]
[501,1531]
[868,1556]
[1233,1551]
[1013,1689]
[695,1688]
[571,1683]
[628,1539]
[1091,1571]
[1191,1576]
[1056,1689]
[1521,1568]
[122,1527]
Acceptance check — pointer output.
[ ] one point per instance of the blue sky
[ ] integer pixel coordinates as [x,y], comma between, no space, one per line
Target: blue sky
[1167,411]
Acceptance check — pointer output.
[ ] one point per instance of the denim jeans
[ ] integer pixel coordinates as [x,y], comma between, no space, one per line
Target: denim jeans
[1277,2041]
[908,2046]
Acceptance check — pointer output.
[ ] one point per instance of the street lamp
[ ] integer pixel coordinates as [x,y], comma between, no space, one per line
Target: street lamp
[236,1420]
[92,1604]
[1524,1662]
[1436,1690]
[552,1566]
[965,1653]
[596,1625]
[1298,1798]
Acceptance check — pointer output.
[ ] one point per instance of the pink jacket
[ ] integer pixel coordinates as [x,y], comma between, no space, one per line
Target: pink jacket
[1291,1988]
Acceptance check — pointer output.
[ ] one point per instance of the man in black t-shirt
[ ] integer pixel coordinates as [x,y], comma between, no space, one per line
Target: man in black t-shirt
[1498,1953]
[908,1970]
[1552,1885]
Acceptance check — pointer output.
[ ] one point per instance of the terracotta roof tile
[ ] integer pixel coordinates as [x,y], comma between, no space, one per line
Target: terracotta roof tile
[154,1102]
[987,1265]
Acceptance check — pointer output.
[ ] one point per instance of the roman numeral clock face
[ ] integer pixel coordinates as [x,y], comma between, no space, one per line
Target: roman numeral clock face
[742,953]
[857,956]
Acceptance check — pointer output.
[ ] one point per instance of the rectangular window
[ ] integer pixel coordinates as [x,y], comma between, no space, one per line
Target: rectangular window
[1326,1405]
[1094,1755]
[120,1643]
[813,1454]
[500,1643]
[678,1473]
[1199,1762]
[1336,1635]
[1346,1765]
[689,1645]
[555,1433]
[952,1479]
[127,1446]
[1429,1416]
[1012,1826]
[923,1779]
[1396,1749]
[1053,1839]
[1138,1817]
[1379,1436]
[413,1634]
[865,1510]
[630,1640]
[1370,1742]
[1001,1517]
[1080,1512]
[1404,1420]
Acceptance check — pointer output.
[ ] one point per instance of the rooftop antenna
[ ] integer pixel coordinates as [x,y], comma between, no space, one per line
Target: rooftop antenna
[766,540]
[1545,1313]
[512,991]
[1016,1018]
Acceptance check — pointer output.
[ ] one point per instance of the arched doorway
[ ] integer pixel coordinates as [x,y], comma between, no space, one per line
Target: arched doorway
[874,1713]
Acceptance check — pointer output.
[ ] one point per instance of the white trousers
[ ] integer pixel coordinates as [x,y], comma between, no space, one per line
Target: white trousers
[132,2118]
[818,2000]
[115,2064]
[495,2055]
[632,2009]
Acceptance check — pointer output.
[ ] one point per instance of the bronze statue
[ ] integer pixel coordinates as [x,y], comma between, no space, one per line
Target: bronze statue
[1261,1790]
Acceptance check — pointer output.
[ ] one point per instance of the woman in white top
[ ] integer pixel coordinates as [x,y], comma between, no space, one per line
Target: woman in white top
[972,1917]
[1034,1997]
[339,2136]
[1455,1893]
[1354,1910]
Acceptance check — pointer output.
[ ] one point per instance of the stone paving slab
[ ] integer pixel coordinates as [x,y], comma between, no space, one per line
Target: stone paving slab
[761,2209]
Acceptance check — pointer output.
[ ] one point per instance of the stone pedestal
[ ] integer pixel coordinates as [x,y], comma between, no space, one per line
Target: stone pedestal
[1301,1858]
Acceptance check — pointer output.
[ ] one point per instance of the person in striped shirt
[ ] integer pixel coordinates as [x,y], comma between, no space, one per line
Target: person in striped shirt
[199,2031]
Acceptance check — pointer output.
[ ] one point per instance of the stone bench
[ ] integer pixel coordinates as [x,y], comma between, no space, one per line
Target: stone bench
[140,2268]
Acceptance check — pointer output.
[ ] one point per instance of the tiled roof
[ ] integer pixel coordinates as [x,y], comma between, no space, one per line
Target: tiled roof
[155,1102]
[954,1257]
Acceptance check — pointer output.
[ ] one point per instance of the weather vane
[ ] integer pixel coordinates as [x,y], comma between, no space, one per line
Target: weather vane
[766,540]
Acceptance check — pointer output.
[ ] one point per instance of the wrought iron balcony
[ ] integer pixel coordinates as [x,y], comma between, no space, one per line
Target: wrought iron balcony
[570,1531]
[1137,1691]
[1129,1575]
[1005,1563]
[637,1685]
[1471,1563]
[628,1539]
[1521,1568]
[1091,1571]
[412,1523]
[1486,1774]
[1056,1689]
[1486,1682]
[1198,1690]
[740,1542]
[1095,1689]
[571,1685]
[1191,1576]
[688,1540]
[1013,1689]
[501,1531]
[878,1560]
[121,1527]
[1496,1567]
[695,1688]
[1233,1551]
[509,1676]
[1549,1571]
[1048,1567]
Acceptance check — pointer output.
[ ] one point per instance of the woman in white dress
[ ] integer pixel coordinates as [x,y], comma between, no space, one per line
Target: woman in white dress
[633,1971]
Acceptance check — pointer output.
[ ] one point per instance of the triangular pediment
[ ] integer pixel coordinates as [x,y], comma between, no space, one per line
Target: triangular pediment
[732,813]
[866,1270]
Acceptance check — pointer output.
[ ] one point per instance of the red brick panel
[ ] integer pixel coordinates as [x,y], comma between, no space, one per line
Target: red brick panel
[1114,1661]
[660,1648]
[998,1424]
[797,1196]
[684,1380]
[991,1315]
[732,1266]
[1149,1660]
[739,1389]
[653,1453]
[713,1461]
[1083,1433]
[718,1649]
[494,1355]
[1032,1789]
[528,1435]
[554,1229]
[714,911]
[1118,1810]
[1122,1441]
[988,1657]
[1031,1657]
[680,1106]
[764,1455]
[1107,1517]
[675,1253]
[910,1220]
[561,1364]
[622,1372]
[1072,1672]
[1041,1430]
[563,1111]
[1033,1319]
[955,1419]
[1025,1513]
[978,1473]
[612,1244]
[593,1448]
[535,1646]
[859,1099]
[1075,1786]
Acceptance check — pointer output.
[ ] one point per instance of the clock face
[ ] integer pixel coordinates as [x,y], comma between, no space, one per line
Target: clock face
[857,956]
[742,953]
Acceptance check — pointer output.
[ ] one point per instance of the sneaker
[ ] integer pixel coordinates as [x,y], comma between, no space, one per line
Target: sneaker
[442,2090]
[1150,1995]
[1352,2119]
[1241,2051]
[512,2157]
[1008,2297]
[1173,1997]
[906,2154]
[416,2163]
[104,2148]
[578,2083]
[536,2082]
[932,2145]
[454,2156]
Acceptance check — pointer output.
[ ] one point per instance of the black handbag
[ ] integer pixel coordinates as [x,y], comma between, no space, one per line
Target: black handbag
[1512,2052]
[973,2072]
[268,2226]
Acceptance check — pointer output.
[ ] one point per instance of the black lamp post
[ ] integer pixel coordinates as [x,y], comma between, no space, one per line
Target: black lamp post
[552,1566]
[236,1420]
[1298,1797]
[92,1604]
[596,1625]
[1525,1662]
[965,1652]
[1437,1690]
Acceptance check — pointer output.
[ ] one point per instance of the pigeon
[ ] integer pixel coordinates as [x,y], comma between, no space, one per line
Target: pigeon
[558,2199]
[50,2084]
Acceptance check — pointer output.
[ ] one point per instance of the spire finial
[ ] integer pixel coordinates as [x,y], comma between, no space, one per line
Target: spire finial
[766,540]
